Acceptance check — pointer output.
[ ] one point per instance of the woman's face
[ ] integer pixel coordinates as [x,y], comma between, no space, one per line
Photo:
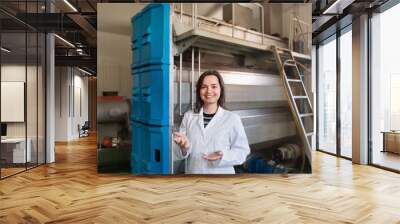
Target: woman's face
[210,90]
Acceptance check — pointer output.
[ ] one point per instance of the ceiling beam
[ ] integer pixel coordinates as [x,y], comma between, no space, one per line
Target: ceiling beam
[84,61]
[84,24]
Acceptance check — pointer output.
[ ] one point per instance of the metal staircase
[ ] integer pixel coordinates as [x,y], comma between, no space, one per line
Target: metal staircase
[299,101]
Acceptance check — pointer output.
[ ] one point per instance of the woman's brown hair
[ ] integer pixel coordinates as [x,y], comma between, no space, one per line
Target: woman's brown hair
[221,100]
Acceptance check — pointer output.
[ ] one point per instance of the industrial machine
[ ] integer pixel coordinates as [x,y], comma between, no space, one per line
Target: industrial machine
[114,141]
[173,44]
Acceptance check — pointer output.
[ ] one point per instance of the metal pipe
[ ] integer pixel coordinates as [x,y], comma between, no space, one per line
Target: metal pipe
[233,19]
[262,24]
[192,81]
[15,18]
[195,15]
[199,64]
[181,12]
[180,84]
[193,19]
[258,4]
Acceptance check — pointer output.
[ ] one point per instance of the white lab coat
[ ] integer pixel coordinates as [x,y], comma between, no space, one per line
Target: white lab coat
[224,132]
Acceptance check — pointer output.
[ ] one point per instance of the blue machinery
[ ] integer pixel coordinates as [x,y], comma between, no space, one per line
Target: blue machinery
[150,92]
[163,89]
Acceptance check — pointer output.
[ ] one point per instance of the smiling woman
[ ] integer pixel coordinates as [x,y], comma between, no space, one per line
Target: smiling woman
[210,91]
[211,139]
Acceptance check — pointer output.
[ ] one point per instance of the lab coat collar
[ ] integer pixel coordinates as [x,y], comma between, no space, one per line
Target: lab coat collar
[220,112]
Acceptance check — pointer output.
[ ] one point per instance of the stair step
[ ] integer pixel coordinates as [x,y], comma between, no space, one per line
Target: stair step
[301,56]
[290,64]
[281,49]
[306,115]
[294,80]
[300,97]
[285,55]
[309,134]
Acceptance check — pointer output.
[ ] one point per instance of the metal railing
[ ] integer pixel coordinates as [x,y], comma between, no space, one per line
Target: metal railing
[303,35]
[195,24]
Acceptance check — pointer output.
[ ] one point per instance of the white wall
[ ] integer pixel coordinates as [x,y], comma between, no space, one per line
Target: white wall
[33,127]
[11,73]
[272,18]
[70,83]
[61,103]
[79,117]
[301,11]
[114,57]
[15,72]
[277,17]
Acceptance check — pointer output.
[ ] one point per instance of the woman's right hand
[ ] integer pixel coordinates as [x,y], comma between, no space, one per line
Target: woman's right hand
[183,142]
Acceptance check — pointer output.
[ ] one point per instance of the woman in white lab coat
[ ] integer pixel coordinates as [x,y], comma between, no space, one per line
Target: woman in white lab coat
[211,139]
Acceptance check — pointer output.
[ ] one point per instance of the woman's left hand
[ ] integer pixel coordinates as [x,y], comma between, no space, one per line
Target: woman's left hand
[213,156]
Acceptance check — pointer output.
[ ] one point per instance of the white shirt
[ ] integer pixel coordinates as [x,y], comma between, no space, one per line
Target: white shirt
[224,133]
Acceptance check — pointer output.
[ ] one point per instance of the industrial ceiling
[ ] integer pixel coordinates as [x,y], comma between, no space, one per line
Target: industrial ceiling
[75,23]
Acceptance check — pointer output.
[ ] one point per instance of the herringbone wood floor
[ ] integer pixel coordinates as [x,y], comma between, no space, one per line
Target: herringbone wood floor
[71,191]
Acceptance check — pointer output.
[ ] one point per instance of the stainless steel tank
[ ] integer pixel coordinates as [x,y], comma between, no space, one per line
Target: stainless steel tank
[255,93]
